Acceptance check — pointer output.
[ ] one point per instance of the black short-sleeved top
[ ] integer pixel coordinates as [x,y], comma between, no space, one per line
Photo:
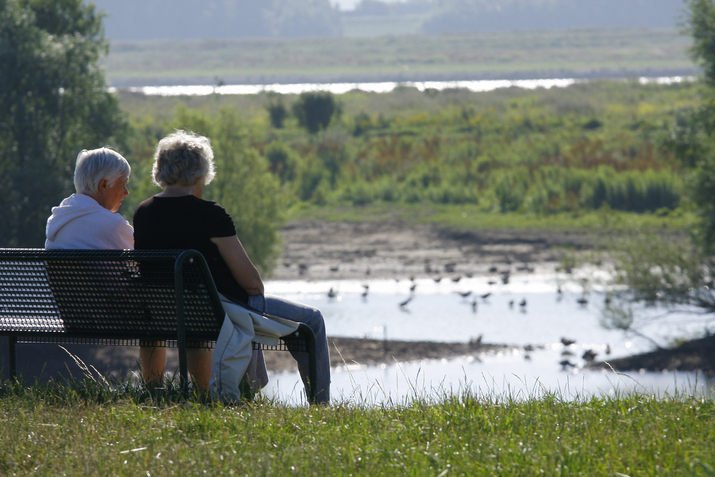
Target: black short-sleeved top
[188,222]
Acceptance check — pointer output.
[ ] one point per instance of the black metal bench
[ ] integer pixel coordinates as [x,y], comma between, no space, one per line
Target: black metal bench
[116,297]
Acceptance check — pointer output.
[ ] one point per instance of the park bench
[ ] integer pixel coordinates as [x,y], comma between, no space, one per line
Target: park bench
[118,297]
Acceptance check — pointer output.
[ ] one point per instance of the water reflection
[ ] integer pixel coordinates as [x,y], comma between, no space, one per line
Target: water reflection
[558,326]
[497,378]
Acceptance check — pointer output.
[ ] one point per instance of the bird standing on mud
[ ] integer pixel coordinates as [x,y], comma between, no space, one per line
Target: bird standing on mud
[589,355]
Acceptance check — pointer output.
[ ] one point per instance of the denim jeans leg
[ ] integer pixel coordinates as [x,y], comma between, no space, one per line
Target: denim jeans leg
[312,317]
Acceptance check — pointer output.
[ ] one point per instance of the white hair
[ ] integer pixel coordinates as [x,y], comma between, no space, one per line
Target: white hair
[183,158]
[97,164]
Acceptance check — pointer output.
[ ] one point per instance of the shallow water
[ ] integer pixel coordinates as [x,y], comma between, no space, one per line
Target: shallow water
[380,87]
[437,312]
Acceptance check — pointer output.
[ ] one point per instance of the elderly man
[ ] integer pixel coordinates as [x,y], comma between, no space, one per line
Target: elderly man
[88,219]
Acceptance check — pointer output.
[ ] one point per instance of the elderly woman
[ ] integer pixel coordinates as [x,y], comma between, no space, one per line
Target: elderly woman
[179,218]
[88,219]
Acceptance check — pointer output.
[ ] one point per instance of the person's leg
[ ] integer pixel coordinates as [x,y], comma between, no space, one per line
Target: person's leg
[312,317]
[198,360]
[153,360]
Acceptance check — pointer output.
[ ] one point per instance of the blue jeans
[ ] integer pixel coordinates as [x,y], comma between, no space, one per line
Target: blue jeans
[312,317]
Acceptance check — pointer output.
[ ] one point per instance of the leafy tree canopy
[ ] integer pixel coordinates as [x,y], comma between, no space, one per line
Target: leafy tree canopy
[315,110]
[681,272]
[55,103]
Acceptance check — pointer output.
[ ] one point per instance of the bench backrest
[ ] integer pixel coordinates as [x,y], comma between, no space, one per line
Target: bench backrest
[111,294]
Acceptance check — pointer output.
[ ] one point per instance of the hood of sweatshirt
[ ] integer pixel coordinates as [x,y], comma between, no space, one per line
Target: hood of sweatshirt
[72,208]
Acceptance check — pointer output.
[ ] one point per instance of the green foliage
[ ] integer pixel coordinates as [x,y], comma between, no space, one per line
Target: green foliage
[278,113]
[698,22]
[315,110]
[282,161]
[509,150]
[55,103]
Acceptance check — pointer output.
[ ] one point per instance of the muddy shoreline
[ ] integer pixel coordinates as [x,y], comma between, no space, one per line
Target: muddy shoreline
[316,250]
[371,352]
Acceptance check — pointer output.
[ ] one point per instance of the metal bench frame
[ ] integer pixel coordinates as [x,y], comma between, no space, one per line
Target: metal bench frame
[119,297]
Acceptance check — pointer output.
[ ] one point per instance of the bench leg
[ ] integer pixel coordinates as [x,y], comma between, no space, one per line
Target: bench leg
[183,369]
[12,340]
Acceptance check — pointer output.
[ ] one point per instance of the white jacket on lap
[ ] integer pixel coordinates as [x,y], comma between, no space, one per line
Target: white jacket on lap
[233,350]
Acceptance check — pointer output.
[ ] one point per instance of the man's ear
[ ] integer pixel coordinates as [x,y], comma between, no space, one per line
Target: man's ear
[102,185]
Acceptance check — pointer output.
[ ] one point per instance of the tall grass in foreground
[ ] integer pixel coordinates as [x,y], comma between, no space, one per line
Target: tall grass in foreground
[84,428]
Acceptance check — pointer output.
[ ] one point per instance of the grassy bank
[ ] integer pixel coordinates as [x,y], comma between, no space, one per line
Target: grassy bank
[64,431]
[582,52]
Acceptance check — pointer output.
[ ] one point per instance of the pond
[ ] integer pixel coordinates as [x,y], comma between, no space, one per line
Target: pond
[528,310]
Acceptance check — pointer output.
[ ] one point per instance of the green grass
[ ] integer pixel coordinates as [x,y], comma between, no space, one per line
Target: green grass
[52,430]
[476,55]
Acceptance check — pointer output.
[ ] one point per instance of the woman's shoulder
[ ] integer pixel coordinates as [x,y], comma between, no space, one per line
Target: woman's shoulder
[207,205]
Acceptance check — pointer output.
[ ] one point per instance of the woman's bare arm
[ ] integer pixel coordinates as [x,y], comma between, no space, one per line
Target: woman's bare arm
[242,269]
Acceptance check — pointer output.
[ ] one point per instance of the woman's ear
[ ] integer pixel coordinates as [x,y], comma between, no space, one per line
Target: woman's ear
[103,184]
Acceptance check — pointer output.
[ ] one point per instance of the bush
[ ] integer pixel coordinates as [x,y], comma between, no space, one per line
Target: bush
[315,110]
[278,113]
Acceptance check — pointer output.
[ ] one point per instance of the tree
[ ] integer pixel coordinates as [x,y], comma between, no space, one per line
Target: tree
[315,110]
[55,102]
[680,272]
[277,113]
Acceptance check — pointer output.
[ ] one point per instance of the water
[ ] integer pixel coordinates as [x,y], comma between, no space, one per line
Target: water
[380,87]
[438,313]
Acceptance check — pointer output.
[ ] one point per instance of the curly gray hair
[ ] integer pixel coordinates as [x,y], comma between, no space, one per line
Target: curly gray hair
[183,158]
[97,164]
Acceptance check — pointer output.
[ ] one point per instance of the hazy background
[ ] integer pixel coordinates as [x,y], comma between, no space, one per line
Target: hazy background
[220,19]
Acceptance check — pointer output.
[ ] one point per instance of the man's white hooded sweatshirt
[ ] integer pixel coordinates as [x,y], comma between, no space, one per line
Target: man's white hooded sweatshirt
[79,222]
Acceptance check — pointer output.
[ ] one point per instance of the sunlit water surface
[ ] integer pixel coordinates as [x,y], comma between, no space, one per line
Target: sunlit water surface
[437,312]
[378,87]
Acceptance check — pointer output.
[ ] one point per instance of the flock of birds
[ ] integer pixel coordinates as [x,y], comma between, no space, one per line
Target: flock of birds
[504,276]
[588,356]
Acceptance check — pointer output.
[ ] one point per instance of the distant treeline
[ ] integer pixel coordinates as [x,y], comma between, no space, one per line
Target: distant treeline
[483,15]
[191,19]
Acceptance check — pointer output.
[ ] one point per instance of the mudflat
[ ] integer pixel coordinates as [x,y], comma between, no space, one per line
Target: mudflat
[393,248]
